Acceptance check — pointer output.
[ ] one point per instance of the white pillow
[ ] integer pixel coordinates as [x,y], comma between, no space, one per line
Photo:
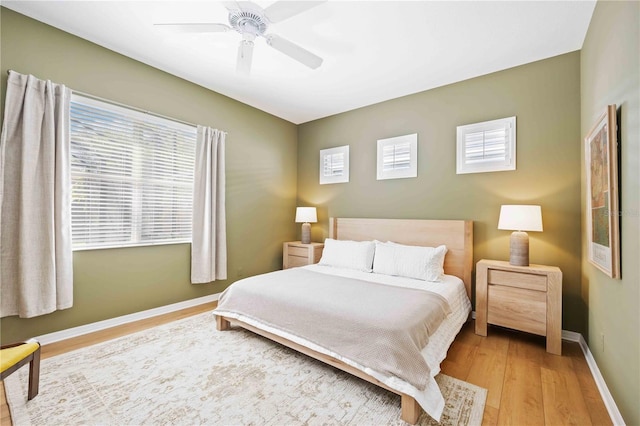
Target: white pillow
[422,263]
[348,254]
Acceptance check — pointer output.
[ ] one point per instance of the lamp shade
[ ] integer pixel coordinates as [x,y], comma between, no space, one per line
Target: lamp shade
[306,215]
[520,218]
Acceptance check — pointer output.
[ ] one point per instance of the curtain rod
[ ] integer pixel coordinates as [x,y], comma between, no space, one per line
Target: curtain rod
[109,101]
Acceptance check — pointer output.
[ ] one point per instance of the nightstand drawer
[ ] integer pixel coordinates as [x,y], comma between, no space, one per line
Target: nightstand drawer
[518,279]
[295,261]
[518,308]
[298,251]
[296,254]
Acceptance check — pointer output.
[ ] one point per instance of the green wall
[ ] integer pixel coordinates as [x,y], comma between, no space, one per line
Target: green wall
[610,69]
[261,177]
[556,102]
[545,97]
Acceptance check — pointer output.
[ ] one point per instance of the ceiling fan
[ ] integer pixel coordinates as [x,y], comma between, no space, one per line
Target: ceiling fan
[251,21]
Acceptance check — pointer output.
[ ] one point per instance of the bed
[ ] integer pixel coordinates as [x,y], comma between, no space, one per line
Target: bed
[239,306]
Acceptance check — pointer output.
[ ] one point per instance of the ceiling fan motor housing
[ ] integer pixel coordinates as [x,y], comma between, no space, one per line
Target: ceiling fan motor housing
[247,21]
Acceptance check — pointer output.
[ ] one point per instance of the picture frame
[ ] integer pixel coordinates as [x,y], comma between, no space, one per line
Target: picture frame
[603,218]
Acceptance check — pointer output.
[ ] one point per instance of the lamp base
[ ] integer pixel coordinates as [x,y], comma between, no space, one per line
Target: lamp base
[519,249]
[306,233]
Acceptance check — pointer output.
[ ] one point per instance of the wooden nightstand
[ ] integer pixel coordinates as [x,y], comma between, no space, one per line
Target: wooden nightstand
[297,254]
[526,298]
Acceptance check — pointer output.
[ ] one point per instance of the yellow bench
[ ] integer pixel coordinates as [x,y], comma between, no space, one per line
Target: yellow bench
[15,355]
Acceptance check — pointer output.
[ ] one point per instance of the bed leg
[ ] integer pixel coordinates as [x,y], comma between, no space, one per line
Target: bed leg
[222,323]
[410,409]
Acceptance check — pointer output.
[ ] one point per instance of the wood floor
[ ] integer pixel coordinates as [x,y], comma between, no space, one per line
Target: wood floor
[527,386]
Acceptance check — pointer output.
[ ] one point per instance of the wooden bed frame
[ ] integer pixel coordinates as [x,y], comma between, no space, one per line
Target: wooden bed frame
[457,235]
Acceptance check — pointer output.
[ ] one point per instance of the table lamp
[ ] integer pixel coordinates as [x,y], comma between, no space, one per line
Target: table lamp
[305,215]
[520,218]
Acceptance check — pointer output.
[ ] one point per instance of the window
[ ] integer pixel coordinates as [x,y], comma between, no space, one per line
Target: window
[334,165]
[398,157]
[487,147]
[132,176]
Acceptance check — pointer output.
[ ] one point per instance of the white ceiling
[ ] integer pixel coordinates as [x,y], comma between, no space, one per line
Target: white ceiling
[373,50]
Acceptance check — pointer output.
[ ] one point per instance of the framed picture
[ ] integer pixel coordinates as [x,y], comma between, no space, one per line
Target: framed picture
[601,165]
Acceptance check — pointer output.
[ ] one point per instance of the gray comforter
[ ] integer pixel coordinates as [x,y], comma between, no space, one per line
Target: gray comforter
[379,326]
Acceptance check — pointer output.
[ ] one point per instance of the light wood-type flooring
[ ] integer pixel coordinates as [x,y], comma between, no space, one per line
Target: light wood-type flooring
[527,386]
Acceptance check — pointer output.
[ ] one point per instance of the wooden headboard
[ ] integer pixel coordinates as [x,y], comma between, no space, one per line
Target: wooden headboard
[457,235]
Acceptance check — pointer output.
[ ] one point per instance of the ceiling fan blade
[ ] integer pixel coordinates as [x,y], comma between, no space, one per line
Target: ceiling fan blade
[294,51]
[281,10]
[231,5]
[194,28]
[245,56]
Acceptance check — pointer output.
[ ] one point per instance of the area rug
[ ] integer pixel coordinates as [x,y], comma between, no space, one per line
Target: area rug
[188,373]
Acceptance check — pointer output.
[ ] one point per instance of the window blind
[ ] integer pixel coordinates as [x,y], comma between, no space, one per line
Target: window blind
[486,146]
[396,156]
[132,176]
[489,146]
[334,164]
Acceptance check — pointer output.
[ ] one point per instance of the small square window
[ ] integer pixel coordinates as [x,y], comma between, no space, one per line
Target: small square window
[334,165]
[487,147]
[398,157]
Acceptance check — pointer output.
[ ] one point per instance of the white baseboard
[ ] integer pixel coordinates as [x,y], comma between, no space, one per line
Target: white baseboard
[607,398]
[125,319]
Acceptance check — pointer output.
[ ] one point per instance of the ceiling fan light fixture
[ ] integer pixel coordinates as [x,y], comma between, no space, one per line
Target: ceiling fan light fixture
[245,54]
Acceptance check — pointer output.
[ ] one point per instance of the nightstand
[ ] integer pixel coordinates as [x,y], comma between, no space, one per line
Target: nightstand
[297,254]
[525,298]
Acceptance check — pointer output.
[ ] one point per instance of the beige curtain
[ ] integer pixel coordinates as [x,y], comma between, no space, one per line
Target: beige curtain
[209,235]
[36,274]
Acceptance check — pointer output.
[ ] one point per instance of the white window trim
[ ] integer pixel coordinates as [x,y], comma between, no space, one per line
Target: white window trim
[131,111]
[411,171]
[509,163]
[341,178]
